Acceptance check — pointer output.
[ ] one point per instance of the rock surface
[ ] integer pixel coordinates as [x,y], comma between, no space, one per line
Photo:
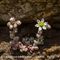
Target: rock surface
[27,10]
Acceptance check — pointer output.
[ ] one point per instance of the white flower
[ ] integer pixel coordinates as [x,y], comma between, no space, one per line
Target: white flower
[42,25]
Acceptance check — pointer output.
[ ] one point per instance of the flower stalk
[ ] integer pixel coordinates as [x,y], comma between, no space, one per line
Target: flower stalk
[12,24]
[41,25]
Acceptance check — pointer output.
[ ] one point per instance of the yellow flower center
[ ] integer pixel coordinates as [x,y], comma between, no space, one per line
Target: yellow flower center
[41,23]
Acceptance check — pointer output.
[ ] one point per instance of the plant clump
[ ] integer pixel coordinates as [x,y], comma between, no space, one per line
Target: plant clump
[28,44]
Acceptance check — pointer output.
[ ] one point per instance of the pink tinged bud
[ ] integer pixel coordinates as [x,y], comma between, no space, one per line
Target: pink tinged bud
[12,19]
[38,35]
[15,25]
[49,26]
[20,43]
[11,27]
[18,22]
[31,48]
[25,49]
[21,50]
[8,24]
[36,48]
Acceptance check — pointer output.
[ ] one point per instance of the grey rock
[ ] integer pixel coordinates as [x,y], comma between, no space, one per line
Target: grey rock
[23,9]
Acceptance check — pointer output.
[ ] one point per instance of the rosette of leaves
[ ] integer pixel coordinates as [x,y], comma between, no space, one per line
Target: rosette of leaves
[27,40]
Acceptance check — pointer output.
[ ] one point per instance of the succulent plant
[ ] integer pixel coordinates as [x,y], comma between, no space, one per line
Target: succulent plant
[28,40]
[29,44]
[12,24]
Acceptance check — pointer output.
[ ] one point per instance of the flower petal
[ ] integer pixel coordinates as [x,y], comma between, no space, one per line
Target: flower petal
[39,28]
[44,27]
[42,19]
[45,23]
[36,25]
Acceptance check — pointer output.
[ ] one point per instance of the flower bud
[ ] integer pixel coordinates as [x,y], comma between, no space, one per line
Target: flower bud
[11,27]
[49,26]
[12,19]
[18,22]
[38,35]
[15,25]
[21,50]
[25,49]
[8,24]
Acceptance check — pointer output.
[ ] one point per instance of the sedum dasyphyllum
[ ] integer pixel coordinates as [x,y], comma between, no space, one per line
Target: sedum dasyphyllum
[12,24]
[28,44]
